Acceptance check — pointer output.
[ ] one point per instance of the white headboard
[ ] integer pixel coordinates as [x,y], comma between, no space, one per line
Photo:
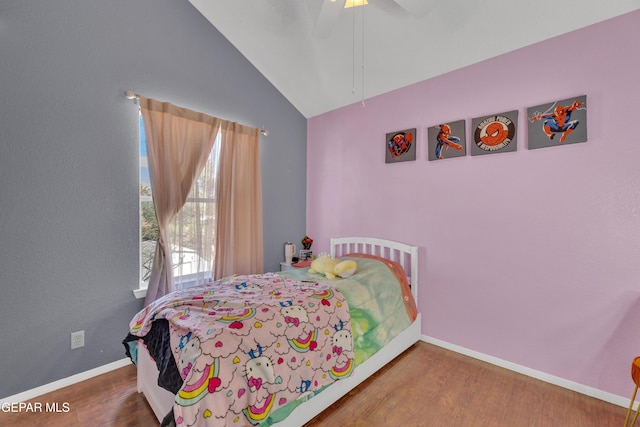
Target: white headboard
[403,254]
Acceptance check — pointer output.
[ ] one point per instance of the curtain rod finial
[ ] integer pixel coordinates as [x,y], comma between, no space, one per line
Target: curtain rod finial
[129,94]
[264,132]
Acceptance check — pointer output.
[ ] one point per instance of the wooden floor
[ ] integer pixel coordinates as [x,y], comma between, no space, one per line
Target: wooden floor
[426,386]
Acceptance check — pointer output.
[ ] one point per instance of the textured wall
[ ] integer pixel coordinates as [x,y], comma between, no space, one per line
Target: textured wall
[529,256]
[69,165]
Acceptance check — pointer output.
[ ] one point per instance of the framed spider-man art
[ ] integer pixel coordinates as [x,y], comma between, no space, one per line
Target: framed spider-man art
[447,140]
[557,123]
[496,133]
[400,146]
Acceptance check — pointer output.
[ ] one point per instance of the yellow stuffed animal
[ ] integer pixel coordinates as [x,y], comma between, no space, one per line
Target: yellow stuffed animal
[332,268]
[345,268]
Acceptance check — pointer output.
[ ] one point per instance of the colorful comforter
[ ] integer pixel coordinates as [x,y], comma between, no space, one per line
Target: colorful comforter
[380,301]
[249,349]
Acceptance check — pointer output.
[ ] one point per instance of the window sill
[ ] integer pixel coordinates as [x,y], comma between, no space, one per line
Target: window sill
[140,293]
[186,281]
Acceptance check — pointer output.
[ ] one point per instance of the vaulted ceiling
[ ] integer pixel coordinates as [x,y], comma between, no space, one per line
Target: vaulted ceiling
[321,58]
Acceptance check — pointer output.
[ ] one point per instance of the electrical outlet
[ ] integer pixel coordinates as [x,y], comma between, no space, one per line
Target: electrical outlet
[77,339]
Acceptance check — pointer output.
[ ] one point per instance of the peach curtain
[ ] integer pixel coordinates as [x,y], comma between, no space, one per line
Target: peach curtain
[178,144]
[239,209]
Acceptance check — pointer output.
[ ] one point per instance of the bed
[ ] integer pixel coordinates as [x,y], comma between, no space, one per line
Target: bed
[350,349]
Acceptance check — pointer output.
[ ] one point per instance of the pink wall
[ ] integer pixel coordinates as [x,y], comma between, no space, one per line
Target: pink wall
[532,256]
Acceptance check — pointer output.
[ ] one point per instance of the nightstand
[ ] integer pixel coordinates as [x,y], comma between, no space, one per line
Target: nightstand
[301,264]
[284,266]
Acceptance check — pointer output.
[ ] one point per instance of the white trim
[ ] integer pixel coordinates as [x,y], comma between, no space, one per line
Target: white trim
[65,382]
[140,293]
[551,379]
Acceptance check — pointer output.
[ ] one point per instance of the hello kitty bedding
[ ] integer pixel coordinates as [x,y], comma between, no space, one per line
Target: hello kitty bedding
[249,349]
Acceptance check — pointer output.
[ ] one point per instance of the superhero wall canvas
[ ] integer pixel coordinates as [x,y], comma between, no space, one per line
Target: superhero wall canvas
[447,140]
[400,146]
[494,134]
[558,123]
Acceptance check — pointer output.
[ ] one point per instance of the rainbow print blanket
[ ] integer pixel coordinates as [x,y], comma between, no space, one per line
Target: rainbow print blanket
[246,346]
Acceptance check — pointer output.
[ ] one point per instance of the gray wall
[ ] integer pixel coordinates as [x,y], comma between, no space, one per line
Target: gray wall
[69,165]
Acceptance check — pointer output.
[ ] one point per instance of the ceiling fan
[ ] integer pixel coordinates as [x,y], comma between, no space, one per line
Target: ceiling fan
[331,10]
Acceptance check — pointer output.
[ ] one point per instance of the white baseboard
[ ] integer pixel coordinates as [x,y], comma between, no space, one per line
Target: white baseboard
[64,382]
[551,379]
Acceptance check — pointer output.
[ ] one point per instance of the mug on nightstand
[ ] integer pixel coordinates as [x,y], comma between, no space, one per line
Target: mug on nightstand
[289,252]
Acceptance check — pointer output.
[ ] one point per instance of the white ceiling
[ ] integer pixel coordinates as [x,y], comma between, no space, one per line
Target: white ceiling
[402,44]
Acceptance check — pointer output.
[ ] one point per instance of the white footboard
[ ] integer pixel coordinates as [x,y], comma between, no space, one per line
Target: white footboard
[160,400]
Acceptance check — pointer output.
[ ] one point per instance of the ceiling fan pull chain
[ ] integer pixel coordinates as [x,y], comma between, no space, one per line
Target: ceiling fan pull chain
[362,69]
[353,51]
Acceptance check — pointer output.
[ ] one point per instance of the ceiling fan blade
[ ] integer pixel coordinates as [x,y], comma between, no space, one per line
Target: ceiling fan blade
[327,18]
[417,8]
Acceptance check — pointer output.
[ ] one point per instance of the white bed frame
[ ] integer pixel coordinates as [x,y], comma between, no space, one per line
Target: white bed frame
[161,401]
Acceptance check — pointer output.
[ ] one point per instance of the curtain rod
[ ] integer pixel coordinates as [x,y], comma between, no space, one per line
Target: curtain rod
[131,95]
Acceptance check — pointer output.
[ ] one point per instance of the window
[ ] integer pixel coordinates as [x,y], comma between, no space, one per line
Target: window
[191,233]
[148,221]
